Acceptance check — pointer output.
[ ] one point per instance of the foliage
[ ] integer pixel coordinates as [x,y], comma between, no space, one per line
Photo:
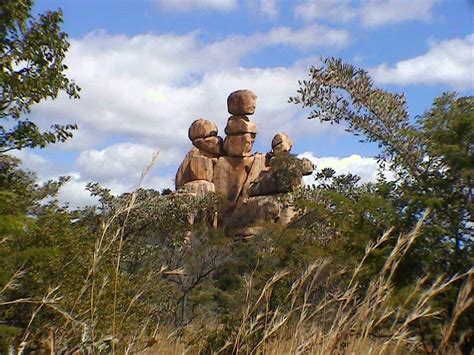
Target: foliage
[287,170]
[431,159]
[31,70]
[39,245]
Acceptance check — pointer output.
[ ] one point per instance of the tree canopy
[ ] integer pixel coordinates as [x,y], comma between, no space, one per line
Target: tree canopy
[32,69]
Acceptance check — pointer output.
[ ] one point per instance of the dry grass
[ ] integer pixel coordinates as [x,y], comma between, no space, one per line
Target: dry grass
[345,321]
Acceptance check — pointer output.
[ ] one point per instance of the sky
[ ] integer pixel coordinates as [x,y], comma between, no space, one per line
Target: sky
[147,69]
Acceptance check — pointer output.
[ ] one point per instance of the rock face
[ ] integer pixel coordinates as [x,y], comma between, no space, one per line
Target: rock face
[281,142]
[239,145]
[211,145]
[202,128]
[230,175]
[240,125]
[199,187]
[249,182]
[307,166]
[195,166]
[242,102]
[275,208]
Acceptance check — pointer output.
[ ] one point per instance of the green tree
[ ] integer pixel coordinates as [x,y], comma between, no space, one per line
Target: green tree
[431,158]
[32,69]
[432,161]
[40,248]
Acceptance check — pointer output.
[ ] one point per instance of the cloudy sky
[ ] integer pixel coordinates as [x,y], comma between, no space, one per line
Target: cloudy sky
[147,69]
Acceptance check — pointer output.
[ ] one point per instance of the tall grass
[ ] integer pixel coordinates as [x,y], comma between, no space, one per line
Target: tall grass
[346,320]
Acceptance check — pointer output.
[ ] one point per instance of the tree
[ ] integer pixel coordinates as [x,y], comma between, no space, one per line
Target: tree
[31,70]
[431,158]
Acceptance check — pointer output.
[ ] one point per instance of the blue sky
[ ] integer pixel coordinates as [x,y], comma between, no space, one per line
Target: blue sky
[149,68]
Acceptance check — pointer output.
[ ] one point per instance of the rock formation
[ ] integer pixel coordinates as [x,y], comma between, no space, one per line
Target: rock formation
[253,184]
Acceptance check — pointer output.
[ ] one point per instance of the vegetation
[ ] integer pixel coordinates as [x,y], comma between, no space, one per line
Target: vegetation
[384,267]
[31,70]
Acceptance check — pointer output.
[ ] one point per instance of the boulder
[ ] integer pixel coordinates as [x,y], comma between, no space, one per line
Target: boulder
[259,166]
[211,145]
[195,166]
[265,185]
[240,125]
[199,187]
[239,145]
[230,174]
[307,166]
[241,102]
[281,142]
[202,128]
[273,208]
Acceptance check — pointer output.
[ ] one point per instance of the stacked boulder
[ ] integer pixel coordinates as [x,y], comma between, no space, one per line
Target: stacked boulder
[240,131]
[229,168]
[196,172]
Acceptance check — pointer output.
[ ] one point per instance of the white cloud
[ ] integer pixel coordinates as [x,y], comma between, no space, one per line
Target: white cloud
[335,10]
[191,5]
[449,62]
[268,8]
[122,160]
[376,12]
[117,167]
[370,12]
[74,193]
[364,167]
[307,37]
[33,162]
[152,87]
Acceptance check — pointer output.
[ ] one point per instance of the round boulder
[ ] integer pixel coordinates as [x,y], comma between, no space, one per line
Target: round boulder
[242,102]
[281,142]
[202,128]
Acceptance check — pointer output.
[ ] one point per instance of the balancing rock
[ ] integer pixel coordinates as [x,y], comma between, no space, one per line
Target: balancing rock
[240,125]
[202,128]
[242,102]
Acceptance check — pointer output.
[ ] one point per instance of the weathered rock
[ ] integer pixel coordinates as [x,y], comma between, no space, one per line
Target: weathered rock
[240,125]
[230,174]
[266,184]
[199,187]
[239,145]
[273,208]
[202,128]
[242,102]
[195,166]
[211,145]
[259,166]
[307,166]
[281,142]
